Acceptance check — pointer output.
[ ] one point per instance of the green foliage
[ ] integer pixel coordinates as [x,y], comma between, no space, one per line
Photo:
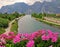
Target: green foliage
[6,18]
[11,16]
[4,22]
[51,15]
[2,30]
[20,44]
[40,15]
[38,43]
[14,27]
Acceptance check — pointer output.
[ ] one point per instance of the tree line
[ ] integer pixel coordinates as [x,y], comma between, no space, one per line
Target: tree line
[6,18]
[42,15]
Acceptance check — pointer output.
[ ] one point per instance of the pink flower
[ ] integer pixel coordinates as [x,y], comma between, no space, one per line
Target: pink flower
[17,38]
[56,34]
[53,36]
[50,33]
[26,35]
[31,37]
[54,39]
[24,39]
[10,37]
[34,35]
[19,35]
[43,32]
[30,43]
[3,41]
[3,35]
[2,46]
[44,37]
[51,46]
[11,33]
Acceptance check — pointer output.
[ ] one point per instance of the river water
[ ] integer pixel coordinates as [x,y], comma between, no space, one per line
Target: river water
[27,24]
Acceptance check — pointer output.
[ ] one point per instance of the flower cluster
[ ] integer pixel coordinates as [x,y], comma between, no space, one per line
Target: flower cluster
[30,43]
[50,35]
[31,38]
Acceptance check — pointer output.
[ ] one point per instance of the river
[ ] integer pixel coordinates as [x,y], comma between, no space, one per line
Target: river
[27,24]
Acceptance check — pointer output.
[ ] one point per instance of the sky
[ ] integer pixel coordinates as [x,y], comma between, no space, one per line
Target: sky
[29,2]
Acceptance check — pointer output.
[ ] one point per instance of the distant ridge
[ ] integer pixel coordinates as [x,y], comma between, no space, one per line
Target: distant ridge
[49,7]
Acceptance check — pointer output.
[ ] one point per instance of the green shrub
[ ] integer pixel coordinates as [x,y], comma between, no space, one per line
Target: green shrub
[4,22]
[2,30]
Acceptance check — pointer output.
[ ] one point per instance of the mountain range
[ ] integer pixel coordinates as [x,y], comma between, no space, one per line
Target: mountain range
[37,7]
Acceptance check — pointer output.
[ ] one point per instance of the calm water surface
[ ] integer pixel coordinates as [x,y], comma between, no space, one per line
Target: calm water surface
[27,24]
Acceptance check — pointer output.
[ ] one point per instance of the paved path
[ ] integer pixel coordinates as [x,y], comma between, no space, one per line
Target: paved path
[57,21]
[8,29]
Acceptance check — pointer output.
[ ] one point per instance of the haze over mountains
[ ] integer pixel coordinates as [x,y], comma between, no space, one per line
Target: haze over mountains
[37,7]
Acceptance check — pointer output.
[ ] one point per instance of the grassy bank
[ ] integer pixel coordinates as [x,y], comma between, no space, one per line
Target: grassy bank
[2,30]
[14,26]
[6,18]
[40,17]
[49,23]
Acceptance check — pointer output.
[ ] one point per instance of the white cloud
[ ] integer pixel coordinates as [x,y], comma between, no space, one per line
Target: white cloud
[8,2]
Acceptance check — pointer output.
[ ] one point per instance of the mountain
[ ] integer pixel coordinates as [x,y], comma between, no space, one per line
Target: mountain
[20,7]
[37,7]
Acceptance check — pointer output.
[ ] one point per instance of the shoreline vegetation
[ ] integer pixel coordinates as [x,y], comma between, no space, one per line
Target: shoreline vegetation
[49,23]
[11,20]
[14,26]
[41,17]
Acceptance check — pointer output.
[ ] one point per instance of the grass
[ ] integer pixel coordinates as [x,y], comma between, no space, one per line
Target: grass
[14,27]
[49,23]
[2,30]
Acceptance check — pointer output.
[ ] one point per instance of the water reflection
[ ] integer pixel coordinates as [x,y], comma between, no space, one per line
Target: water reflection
[28,25]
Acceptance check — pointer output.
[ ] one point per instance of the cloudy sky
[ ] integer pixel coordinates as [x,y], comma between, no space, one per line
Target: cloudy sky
[9,2]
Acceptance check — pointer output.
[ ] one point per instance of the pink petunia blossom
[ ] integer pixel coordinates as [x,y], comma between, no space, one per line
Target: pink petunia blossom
[17,38]
[50,34]
[3,41]
[30,43]
[34,35]
[3,35]
[54,39]
[11,33]
[43,32]
[26,35]
[10,37]
[2,46]
[44,37]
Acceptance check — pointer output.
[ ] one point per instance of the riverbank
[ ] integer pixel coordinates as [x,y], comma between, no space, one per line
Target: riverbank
[48,22]
[7,19]
[2,30]
[13,26]
[52,19]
